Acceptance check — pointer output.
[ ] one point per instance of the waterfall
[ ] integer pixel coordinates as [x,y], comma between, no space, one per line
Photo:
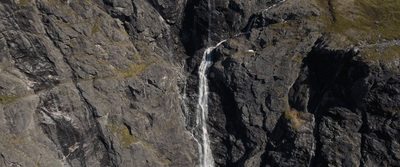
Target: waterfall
[205,153]
[206,158]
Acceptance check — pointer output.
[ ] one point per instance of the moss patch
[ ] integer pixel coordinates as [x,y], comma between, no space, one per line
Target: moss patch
[16,140]
[95,27]
[23,3]
[362,20]
[123,133]
[8,99]
[381,54]
[133,70]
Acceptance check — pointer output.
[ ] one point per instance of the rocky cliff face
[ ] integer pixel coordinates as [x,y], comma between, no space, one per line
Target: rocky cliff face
[114,83]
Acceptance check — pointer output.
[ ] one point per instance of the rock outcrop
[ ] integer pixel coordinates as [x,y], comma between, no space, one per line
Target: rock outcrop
[114,83]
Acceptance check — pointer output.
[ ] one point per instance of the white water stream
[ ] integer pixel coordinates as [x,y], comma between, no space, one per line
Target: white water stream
[205,153]
[206,158]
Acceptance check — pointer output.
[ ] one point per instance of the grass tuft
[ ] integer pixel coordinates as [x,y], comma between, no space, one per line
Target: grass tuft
[295,118]
[123,134]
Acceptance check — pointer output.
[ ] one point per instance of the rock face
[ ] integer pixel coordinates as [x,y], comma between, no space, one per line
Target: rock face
[114,83]
[91,83]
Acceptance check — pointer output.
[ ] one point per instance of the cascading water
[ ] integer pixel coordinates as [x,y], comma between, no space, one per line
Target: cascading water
[206,158]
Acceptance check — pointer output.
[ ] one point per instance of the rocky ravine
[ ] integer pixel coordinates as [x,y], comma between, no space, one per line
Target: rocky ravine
[114,83]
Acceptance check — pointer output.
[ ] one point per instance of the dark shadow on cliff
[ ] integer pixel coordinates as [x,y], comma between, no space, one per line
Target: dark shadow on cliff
[193,28]
[332,77]
[234,124]
[281,140]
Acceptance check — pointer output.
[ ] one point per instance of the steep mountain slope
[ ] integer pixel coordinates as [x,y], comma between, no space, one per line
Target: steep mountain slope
[91,83]
[114,83]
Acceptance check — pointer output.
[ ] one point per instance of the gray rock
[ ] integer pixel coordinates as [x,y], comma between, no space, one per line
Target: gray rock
[114,83]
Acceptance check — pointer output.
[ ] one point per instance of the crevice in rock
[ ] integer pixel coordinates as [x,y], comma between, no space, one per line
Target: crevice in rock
[250,23]
[108,3]
[264,121]
[65,136]
[112,159]
[109,151]
[133,93]
[128,127]
[363,130]
[314,160]
[90,107]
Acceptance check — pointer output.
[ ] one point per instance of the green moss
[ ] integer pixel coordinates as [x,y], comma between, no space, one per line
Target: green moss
[16,140]
[71,11]
[93,58]
[167,161]
[290,24]
[23,3]
[141,44]
[73,43]
[147,53]
[63,24]
[86,1]
[362,20]
[8,99]
[133,70]
[123,134]
[381,54]
[126,139]
[95,29]
[95,26]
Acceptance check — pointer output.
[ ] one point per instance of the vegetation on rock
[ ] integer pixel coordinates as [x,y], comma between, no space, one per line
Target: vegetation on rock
[362,21]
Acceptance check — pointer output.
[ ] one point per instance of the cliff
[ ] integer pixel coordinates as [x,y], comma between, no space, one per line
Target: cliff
[114,83]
